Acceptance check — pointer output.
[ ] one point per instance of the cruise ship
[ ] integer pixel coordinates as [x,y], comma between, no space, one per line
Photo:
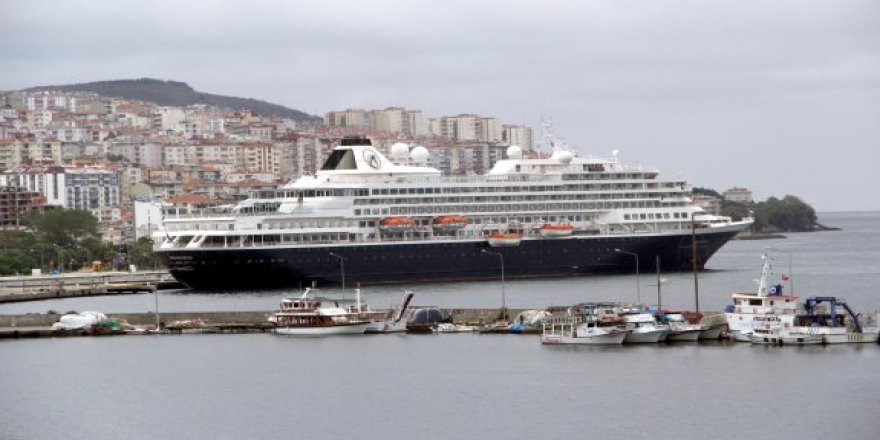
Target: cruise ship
[374,218]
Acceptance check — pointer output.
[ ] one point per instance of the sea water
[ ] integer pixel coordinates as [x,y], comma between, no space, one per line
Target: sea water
[465,385]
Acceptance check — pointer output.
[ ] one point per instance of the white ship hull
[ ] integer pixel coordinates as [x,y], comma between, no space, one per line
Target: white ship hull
[348,329]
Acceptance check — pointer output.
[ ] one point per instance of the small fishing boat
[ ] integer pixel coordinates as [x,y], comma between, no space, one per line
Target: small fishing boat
[504,239]
[586,324]
[448,327]
[556,229]
[678,329]
[309,315]
[641,328]
[832,319]
[573,331]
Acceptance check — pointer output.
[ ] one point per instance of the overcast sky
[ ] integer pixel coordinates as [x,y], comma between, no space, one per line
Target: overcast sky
[782,97]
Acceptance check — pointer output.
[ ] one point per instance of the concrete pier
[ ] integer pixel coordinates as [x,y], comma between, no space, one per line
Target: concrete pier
[70,285]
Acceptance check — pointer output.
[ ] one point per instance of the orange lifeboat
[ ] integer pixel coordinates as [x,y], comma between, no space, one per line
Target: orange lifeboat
[397,223]
[503,239]
[450,222]
[556,229]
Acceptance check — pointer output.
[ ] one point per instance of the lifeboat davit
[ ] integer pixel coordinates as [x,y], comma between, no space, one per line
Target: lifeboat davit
[449,222]
[502,239]
[556,229]
[397,223]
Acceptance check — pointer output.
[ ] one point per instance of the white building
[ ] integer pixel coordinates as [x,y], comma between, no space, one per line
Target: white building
[518,135]
[738,195]
[90,189]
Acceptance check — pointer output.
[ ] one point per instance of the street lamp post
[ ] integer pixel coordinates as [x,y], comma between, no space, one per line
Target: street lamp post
[636,256]
[503,300]
[341,268]
[790,270]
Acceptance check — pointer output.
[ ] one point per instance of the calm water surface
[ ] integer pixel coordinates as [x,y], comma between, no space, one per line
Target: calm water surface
[463,386]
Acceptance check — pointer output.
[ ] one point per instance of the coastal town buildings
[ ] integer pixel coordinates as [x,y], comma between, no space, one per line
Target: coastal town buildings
[124,159]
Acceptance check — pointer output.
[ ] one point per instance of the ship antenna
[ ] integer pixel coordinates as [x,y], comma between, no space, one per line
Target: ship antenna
[547,131]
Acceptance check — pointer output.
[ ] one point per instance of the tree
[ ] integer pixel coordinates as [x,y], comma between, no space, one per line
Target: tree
[141,252]
[15,262]
[707,192]
[66,227]
[788,214]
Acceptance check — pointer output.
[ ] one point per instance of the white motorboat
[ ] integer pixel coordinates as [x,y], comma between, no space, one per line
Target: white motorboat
[767,300]
[766,330]
[573,331]
[641,328]
[678,329]
[396,322]
[446,327]
[316,316]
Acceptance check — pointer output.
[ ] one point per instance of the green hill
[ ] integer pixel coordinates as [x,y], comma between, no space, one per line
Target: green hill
[177,94]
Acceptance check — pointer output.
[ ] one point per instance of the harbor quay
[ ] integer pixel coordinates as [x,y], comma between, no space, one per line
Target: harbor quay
[78,284]
[40,324]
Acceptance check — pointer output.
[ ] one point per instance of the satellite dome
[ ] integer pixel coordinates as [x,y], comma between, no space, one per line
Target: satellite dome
[419,154]
[399,150]
[562,156]
[514,152]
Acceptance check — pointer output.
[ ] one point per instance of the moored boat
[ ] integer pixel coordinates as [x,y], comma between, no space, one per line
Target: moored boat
[767,300]
[591,323]
[573,331]
[316,316]
[396,322]
[832,319]
[678,329]
[641,328]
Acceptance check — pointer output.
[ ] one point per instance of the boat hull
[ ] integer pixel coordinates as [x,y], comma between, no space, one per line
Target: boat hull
[606,339]
[651,337]
[347,329]
[683,336]
[430,261]
[711,333]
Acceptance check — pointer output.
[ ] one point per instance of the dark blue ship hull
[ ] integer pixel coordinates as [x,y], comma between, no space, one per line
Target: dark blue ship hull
[411,262]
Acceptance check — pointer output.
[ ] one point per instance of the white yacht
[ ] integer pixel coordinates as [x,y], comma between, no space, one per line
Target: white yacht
[641,328]
[309,315]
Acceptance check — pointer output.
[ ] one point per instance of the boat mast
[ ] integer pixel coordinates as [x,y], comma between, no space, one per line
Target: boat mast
[694,261]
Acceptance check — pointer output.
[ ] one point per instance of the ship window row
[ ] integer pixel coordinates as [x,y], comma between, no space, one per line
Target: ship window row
[606,176]
[505,221]
[520,189]
[278,239]
[655,216]
[442,209]
[513,198]
[294,194]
